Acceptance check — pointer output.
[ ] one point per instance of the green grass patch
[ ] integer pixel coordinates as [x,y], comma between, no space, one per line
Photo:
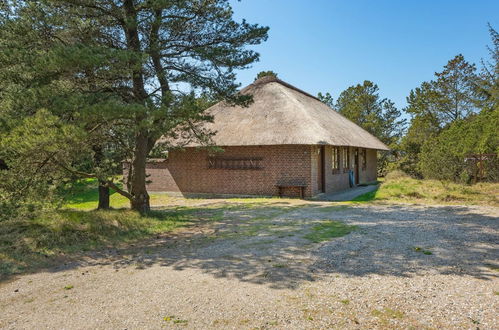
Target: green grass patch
[83,195]
[367,197]
[328,230]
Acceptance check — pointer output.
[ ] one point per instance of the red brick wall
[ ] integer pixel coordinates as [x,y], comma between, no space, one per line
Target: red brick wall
[339,181]
[371,172]
[187,171]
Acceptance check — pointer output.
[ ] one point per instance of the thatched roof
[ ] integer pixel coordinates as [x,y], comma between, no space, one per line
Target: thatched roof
[284,114]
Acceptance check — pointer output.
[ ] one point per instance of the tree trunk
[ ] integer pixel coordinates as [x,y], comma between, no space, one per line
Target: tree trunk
[3,166]
[103,196]
[140,198]
[103,187]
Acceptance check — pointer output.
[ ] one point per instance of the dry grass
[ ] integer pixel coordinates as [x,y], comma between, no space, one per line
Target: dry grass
[399,187]
[30,243]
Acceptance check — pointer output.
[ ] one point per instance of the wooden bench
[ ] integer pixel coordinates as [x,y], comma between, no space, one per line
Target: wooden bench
[291,185]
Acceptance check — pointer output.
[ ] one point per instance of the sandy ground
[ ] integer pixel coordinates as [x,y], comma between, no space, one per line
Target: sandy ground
[405,267]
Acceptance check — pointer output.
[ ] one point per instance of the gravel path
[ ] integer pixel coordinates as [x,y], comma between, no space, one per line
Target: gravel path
[406,266]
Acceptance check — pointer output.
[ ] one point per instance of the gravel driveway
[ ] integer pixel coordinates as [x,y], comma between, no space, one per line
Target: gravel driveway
[405,266]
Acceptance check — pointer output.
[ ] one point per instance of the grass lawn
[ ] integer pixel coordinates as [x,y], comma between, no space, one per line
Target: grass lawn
[327,230]
[398,187]
[84,196]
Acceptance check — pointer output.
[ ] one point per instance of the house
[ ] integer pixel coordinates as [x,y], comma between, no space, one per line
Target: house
[286,142]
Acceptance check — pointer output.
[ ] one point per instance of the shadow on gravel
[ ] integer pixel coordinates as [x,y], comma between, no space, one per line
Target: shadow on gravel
[266,244]
[400,240]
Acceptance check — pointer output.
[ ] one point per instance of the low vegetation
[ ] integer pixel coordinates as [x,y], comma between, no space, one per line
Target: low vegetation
[28,243]
[46,237]
[399,187]
[329,229]
[39,239]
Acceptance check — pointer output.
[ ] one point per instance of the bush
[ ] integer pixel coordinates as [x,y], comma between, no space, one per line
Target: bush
[444,156]
[395,175]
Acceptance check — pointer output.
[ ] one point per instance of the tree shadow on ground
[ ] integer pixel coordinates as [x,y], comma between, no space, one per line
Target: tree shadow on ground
[265,244]
[400,240]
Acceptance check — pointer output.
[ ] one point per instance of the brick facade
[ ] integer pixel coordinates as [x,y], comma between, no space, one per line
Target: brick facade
[188,171]
[339,181]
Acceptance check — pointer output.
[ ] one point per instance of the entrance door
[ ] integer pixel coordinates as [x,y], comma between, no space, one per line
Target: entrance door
[356,165]
[321,169]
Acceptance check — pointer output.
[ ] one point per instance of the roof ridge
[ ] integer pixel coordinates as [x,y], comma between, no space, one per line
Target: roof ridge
[268,79]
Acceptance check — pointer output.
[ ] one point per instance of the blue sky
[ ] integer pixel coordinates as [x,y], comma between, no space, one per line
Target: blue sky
[328,45]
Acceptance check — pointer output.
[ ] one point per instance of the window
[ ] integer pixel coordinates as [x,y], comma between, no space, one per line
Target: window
[335,160]
[364,159]
[346,159]
[239,163]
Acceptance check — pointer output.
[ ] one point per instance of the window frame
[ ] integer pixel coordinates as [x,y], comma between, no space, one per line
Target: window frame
[335,160]
[346,159]
[364,159]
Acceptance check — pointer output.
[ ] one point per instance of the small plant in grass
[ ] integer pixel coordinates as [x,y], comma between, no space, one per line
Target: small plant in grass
[345,301]
[421,250]
[329,229]
[68,287]
[279,265]
[174,320]
[387,313]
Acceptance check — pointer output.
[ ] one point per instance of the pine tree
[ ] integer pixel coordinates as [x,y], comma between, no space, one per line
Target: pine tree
[327,99]
[133,65]
[269,73]
[456,90]
[452,116]
[363,105]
